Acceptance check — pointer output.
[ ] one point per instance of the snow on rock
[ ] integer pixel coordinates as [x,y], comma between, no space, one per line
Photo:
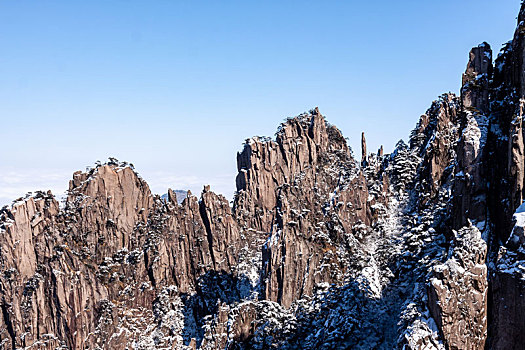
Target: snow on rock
[458,292]
[319,251]
[517,236]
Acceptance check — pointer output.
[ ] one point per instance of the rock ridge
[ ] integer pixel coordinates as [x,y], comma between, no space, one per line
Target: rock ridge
[420,248]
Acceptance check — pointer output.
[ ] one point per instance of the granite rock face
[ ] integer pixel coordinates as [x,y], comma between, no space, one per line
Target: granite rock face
[74,276]
[420,248]
[116,265]
[436,136]
[470,187]
[309,197]
[508,287]
[458,292]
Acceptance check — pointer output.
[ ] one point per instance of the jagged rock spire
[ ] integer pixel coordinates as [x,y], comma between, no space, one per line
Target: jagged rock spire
[172,197]
[475,80]
[119,267]
[363,148]
[470,185]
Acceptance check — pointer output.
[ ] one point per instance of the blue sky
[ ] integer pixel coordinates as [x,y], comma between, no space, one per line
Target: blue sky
[176,86]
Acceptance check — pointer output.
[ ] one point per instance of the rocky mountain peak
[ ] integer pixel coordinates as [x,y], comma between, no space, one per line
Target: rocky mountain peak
[364,153]
[475,81]
[421,248]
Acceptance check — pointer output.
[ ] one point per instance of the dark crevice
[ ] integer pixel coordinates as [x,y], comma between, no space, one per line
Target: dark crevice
[207,226]
[149,269]
[8,323]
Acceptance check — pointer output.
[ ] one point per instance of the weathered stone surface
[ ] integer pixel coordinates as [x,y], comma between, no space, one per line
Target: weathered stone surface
[509,309]
[364,153]
[508,288]
[516,163]
[302,251]
[319,251]
[48,296]
[475,82]
[74,276]
[470,185]
[306,190]
[435,137]
[108,202]
[505,164]
[458,292]
[231,326]
[264,165]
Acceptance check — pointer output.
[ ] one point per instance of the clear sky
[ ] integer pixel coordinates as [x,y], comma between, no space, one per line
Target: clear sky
[176,86]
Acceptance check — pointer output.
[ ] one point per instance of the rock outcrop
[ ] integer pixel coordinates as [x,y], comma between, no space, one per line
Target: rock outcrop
[508,288]
[306,191]
[436,137]
[364,153]
[422,248]
[74,276]
[458,292]
[471,182]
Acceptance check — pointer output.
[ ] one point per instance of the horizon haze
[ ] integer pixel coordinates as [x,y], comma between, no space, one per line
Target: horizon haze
[176,89]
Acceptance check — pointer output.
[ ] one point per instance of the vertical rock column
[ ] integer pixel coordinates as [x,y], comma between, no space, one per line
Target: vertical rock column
[363,149]
[470,185]
[508,290]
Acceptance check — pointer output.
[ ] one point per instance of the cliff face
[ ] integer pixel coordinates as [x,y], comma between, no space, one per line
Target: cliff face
[94,273]
[421,248]
[508,288]
[458,292]
[309,195]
